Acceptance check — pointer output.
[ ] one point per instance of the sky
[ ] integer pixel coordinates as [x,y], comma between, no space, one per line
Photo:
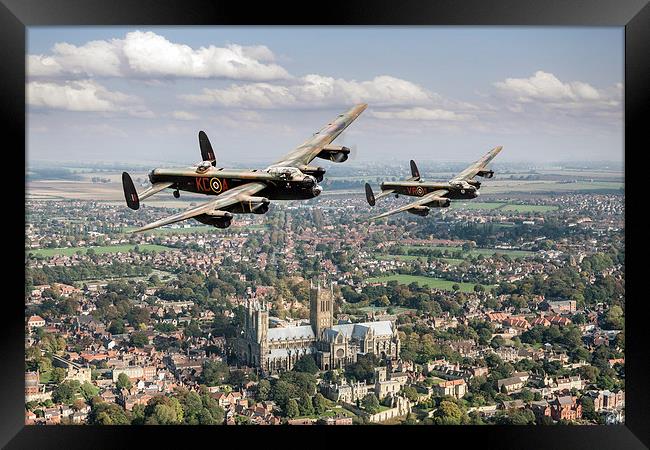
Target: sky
[141,94]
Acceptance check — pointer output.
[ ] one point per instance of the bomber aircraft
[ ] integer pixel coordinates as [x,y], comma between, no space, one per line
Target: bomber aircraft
[432,193]
[246,191]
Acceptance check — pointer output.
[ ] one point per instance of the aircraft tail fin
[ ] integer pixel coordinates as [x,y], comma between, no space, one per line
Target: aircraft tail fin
[370,196]
[207,153]
[415,173]
[130,194]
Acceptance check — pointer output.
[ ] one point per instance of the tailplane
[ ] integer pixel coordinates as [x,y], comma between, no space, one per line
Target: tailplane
[130,194]
[370,196]
[206,148]
[415,173]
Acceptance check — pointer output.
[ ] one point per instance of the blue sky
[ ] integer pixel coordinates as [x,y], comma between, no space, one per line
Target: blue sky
[451,93]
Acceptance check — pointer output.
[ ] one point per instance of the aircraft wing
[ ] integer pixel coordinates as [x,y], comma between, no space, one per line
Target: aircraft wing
[423,201]
[156,187]
[477,166]
[230,197]
[307,151]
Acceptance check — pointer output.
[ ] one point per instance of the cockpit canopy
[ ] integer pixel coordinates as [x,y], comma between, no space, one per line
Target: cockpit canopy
[285,172]
[462,184]
[203,166]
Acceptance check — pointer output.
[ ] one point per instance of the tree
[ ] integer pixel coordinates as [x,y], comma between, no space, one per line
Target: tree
[448,413]
[214,372]
[139,339]
[164,415]
[526,395]
[58,375]
[89,390]
[306,407]
[192,407]
[66,392]
[411,393]
[520,417]
[497,341]
[103,413]
[306,363]
[588,409]
[320,404]
[263,390]
[292,409]
[123,381]
[370,403]
[116,326]
[193,329]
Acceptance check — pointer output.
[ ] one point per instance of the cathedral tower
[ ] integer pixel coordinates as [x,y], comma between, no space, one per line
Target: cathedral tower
[321,307]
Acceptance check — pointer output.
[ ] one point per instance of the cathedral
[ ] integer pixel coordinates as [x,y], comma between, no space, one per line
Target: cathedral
[275,350]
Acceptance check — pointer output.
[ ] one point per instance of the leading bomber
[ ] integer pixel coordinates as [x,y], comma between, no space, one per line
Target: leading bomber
[246,191]
[431,193]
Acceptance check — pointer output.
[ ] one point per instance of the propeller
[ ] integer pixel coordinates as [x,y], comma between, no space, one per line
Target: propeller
[353,147]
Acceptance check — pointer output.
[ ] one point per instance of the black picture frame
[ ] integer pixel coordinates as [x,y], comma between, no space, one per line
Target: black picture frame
[16,15]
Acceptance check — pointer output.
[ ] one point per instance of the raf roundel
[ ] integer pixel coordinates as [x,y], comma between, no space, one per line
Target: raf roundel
[419,191]
[215,185]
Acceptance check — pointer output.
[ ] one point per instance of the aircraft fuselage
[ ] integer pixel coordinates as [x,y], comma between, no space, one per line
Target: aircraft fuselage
[419,189]
[216,181]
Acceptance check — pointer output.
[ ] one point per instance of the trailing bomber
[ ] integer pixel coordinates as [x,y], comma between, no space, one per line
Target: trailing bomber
[434,194]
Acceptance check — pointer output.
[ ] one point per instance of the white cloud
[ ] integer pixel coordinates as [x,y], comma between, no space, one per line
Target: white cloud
[83,95]
[316,91]
[147,54]
[419,113]
[184,115]
[545,86]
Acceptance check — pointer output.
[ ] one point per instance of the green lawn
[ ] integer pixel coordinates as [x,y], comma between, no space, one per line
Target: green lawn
[199,229]
[473,252]
[377,309]
[434,283]
[69,251]
[475,205]
[529,208]
[452,261]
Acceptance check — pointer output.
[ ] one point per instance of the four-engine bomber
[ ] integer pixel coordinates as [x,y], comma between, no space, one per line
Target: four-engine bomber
[434,194]
[246,191]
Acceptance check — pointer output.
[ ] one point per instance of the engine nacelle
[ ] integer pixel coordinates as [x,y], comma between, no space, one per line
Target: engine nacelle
[421,211]
[475,183]
[219,219]
[335,153]
[485,173]
[254,205]
[315,171]
[440,203]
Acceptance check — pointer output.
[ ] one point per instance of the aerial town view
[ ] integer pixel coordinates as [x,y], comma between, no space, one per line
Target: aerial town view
[462,277]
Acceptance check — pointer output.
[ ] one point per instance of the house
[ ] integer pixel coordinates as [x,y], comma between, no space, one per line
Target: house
[512,404]
[511,384]
[566,408]
[454,388]
[559,320]
[561,306]
[35,322]
[540,408]
[607,400]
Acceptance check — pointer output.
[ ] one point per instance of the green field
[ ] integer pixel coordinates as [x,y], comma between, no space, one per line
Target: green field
[452,261]
[554,186]
[434,283]
[475,251]
[381,309]
[69,251]
[199,229]
[476,205]
[529,208]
